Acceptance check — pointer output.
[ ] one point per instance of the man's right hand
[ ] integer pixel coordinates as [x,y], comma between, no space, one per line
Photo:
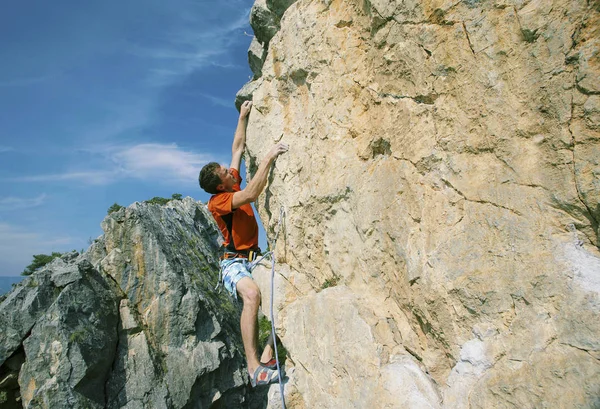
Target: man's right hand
[245,109]
[278,150]
[250,193]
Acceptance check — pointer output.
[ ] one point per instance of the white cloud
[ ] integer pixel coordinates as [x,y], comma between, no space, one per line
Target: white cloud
[193,36]
[18,245]
[15,203]
[5,149]
[160,163]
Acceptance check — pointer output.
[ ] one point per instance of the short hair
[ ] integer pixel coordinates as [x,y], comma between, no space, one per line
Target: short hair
[208,178]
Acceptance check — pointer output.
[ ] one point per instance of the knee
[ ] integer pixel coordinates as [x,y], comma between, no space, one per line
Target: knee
[251,295]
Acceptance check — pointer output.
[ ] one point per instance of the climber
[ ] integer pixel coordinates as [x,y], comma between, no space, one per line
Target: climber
[230,206]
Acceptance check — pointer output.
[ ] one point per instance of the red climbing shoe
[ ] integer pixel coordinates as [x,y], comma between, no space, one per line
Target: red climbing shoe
[264,376]
[271,364]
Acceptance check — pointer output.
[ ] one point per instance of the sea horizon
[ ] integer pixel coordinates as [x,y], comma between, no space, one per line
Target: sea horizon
[6,283]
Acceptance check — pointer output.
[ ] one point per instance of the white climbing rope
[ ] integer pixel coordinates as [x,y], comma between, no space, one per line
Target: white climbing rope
[273,335]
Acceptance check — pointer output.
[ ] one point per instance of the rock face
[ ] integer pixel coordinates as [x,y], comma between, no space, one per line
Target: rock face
[442,198]
[131,323]
[59,337]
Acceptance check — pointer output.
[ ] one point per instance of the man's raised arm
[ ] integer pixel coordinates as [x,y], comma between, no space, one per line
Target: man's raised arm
[258,182]
[239,138]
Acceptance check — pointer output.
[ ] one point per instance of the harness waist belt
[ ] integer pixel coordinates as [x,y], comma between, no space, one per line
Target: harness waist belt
[249,254]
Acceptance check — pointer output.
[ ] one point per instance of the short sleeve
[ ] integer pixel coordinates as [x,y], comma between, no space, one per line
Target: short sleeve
[220,204]
[236,175]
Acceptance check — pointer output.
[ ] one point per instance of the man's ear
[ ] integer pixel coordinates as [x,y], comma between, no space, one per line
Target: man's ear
[220,187]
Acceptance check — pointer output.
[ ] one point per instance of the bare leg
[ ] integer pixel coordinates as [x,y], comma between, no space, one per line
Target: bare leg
[250,294]
[269,351]
[267,354]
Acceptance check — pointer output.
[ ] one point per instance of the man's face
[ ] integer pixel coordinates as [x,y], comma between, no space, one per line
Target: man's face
[227,179]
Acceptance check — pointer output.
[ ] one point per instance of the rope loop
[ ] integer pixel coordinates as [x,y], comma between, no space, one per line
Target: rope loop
[271,252]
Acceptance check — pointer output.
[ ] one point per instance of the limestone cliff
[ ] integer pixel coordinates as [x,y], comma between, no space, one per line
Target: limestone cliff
[442,198]
[134,322]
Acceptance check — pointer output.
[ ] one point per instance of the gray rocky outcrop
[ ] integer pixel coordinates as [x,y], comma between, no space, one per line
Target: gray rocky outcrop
[134,322]
[70,350]
[59,332]
[444,178]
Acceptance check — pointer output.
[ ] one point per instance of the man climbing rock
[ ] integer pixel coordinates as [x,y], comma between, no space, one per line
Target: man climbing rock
[230,206]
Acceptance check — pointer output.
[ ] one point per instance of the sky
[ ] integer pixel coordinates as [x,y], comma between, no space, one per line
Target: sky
[109,101]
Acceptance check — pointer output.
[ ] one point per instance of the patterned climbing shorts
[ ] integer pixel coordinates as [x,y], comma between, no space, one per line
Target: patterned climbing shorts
[232,271]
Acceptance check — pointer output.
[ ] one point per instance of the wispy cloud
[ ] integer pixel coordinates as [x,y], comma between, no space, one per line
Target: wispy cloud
[91,177]
[16,203]
[18,245]
[6,149]
[192,46]
[217,100]
[200,36]
[127,115]
[160,163]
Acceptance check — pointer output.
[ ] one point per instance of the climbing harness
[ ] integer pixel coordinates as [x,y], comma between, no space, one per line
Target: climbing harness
[249,255]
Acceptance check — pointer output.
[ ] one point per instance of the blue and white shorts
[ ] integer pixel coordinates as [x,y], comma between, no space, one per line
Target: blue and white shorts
[232,271]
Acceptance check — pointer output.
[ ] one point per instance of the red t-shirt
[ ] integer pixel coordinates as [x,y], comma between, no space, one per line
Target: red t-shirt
[242,221]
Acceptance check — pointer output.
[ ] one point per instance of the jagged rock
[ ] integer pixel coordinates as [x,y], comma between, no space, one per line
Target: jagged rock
[21,309]
[264,22]
[59,333]
[134,322]
[256,57]
[444,172]
[265,18]
[9,385]
[165,260]
[279,6]
[71,347]
[136,382]
[245,94]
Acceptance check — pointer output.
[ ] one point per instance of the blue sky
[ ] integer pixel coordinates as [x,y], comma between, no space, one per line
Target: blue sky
[109,101]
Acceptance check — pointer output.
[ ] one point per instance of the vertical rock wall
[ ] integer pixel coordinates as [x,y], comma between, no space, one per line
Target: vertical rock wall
[444,178]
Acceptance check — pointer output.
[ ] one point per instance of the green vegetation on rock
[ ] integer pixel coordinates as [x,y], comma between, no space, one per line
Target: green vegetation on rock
[114,208]
[77,337]
[331,282]
[39,261]
[164,200]
[264,330]
[155,200]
